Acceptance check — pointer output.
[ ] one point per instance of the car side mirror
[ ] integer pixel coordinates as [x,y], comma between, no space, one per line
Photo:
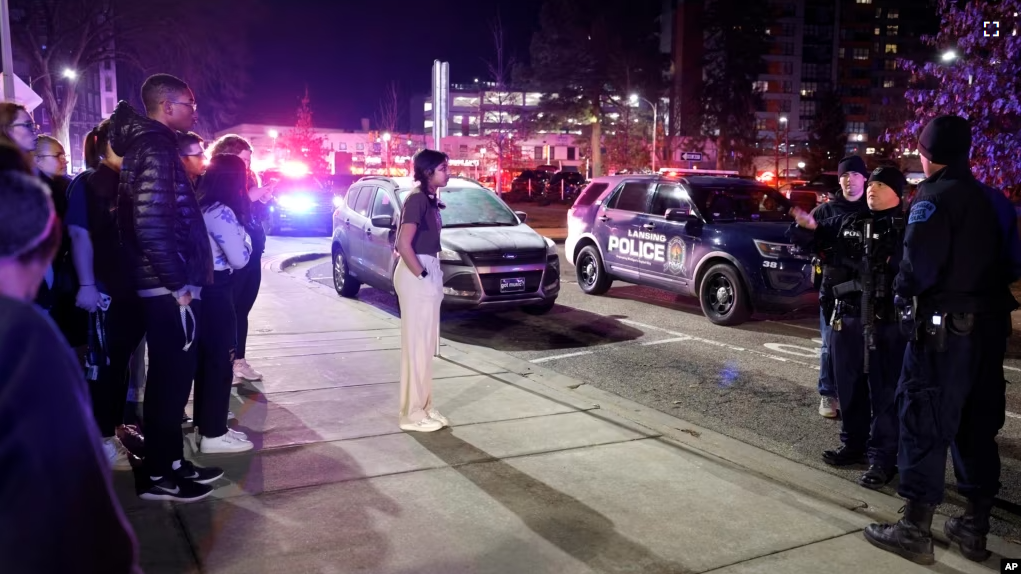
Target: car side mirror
[384,221]
[521,215]
[679,214]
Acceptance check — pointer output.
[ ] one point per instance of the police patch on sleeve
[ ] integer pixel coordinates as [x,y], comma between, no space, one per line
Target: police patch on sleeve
[921,212]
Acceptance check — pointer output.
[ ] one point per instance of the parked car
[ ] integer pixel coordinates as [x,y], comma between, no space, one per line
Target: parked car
[721,239]
[300,203]
[491,259]
[529,185]
[819,189]
[564,186]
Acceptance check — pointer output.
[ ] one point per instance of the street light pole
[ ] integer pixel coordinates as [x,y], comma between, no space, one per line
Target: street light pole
[655,112]
[7,58]
[786,147]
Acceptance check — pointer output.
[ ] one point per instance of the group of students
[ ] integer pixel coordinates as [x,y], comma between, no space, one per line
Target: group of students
[915,310]
[160,252]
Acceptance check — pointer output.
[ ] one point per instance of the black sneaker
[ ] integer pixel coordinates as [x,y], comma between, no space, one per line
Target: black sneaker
[843,456]
[201,475]
[168,488]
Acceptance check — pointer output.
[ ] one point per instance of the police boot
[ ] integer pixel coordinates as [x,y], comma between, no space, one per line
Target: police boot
[970,529]
[911,537]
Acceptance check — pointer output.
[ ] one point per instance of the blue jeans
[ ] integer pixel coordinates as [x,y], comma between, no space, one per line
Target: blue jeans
[827,386]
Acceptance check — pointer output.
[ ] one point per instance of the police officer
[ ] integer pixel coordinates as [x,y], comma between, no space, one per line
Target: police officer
[951,291]
[852,175]
[864,250]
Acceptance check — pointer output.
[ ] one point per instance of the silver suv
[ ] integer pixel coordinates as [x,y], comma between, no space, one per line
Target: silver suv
[490,258]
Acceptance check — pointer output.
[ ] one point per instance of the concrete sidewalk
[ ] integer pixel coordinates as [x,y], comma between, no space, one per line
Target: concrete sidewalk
[540,473]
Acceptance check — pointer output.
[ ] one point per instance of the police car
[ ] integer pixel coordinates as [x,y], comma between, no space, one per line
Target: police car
[716,237]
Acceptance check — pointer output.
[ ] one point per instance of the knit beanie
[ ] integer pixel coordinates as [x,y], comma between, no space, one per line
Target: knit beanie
[852,163]
[26,213]
[892,177]
[946,140]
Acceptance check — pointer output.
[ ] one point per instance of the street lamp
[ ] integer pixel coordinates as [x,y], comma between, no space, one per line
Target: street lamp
[949,56]
[273,134]
[634,99]
[386,140]
[786,147]
[70,74]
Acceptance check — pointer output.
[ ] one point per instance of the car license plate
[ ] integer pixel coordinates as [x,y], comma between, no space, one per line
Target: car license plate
[512,285]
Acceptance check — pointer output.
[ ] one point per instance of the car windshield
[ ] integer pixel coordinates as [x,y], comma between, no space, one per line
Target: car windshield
[472,207]
[751,203]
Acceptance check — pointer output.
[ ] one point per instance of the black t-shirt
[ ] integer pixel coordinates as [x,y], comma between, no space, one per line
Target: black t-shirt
[93,207]
[420,210]
[57,507]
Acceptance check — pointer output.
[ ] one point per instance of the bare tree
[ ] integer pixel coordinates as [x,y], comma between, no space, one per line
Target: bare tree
[504,107]
[192,37]
[390,113]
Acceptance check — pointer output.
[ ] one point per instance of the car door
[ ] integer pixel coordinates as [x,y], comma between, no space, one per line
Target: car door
[379,241]
[680,239]
[357,219]
[342,224]
[618,226]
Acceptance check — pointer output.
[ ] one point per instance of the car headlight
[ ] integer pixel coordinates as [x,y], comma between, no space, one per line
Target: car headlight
[777,250]
[296,203]
[551,247]
[338,201]
[449,255]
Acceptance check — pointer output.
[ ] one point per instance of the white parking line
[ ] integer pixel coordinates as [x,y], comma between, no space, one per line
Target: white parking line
[555,357]
[662,341]
[802,327]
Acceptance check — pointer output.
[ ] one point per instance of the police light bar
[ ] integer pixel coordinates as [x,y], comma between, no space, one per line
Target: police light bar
[679,171]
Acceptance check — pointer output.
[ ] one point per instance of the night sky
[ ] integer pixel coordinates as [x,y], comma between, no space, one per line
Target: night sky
[347,51]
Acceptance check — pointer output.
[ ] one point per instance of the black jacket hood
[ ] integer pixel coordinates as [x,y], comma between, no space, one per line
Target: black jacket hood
[127,126]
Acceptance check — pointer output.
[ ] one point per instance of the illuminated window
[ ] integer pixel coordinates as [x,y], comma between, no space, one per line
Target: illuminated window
[888,83]
[861,53]
[841,56]
[361,146]
[863,1]
[343,146]
[890,65]
[761,124]
[892,30]
[428,106]
[894,14]
[761,86]
[428,125]
[891,48]
[458,119]
[809,89]
[877,30]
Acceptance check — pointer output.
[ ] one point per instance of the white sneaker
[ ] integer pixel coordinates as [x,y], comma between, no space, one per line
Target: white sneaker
[116,454]
[227,443]
[436,416]
[424,425]
[829,407]
[244,371]
[237,433]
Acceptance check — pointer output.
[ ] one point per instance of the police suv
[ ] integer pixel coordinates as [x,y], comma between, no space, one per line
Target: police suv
[712,236]
[490,258]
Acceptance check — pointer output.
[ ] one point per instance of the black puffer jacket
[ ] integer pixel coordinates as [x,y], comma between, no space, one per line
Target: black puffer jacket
[159,220]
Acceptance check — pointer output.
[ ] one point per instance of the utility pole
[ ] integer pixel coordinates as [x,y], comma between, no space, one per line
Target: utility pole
[7,57]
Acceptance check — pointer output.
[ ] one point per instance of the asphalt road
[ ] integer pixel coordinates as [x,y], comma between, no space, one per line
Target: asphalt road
[755,382]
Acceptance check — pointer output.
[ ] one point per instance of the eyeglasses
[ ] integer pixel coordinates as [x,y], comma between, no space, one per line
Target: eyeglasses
[59,155]
[194,107]
[32,127]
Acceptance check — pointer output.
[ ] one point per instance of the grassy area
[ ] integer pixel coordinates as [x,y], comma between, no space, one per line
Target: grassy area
[550,216]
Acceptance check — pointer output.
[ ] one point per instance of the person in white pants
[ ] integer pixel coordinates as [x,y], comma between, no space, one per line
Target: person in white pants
[418,280]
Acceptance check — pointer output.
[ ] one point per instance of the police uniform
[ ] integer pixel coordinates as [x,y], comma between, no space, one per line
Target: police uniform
[836,207]
[867,394]
[952,281]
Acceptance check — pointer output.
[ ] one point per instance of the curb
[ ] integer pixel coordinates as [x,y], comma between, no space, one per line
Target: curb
[280,263]
[754,460]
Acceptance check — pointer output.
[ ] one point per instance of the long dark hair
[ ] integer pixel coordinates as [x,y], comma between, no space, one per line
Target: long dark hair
[226,182]
[95,144]
[426,161]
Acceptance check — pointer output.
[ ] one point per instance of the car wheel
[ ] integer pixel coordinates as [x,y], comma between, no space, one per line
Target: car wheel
[540,309]
[343,282]
[592,276]
[723,296]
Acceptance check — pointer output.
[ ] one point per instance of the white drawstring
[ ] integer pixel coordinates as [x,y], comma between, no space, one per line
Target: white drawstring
[185,312]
